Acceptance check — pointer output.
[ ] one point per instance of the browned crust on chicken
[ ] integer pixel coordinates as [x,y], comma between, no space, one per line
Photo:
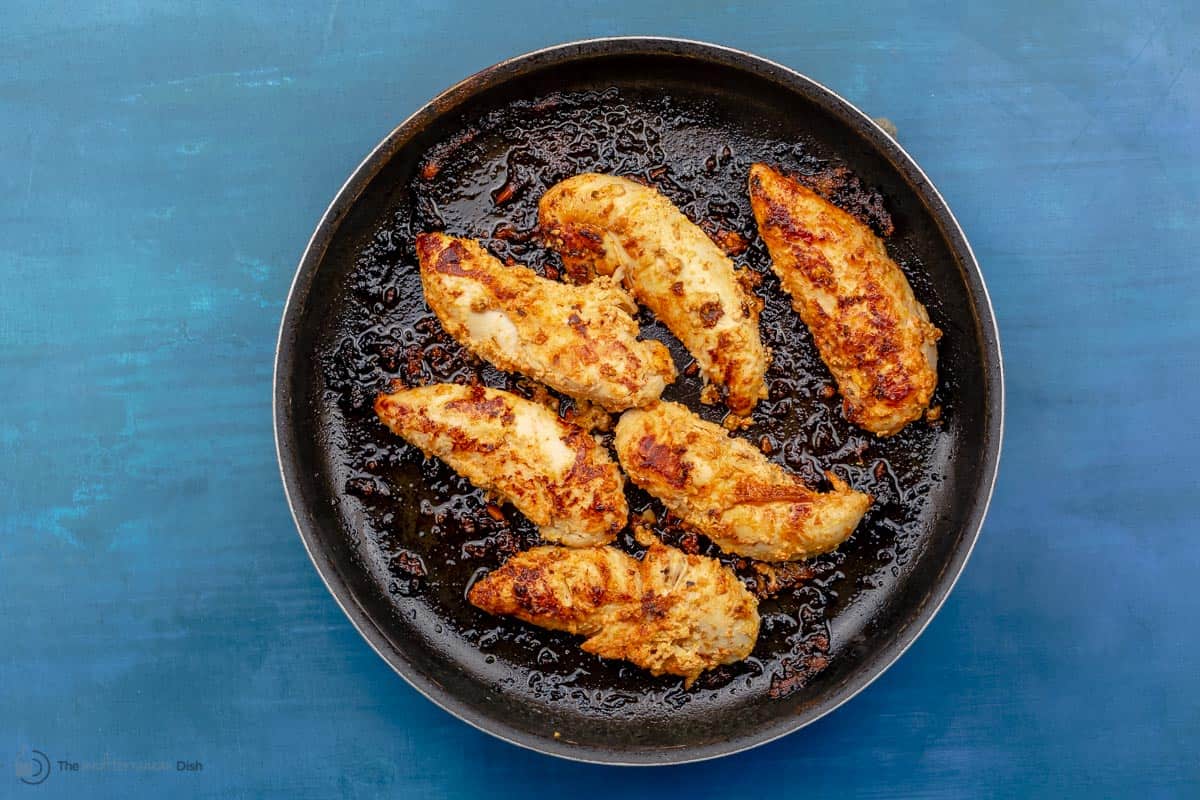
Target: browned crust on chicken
[553,472]
[870,330]
[581,340]
[560,588]
[601,224]
[725,488]
[670,613]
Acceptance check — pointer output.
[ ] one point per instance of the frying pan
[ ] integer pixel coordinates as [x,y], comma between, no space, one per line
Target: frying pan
[398,539]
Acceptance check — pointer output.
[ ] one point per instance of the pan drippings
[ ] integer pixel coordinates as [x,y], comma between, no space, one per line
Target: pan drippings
[426,533]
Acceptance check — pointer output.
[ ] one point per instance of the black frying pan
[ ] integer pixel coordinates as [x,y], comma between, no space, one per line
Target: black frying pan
[398,539]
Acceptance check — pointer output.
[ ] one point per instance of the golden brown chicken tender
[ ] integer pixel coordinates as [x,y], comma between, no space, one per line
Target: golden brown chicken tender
[872,333]
[669,613]
[723,487]
[553,472]
[614,226]
[580,340]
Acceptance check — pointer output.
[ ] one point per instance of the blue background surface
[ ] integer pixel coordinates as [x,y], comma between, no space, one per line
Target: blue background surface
[161,168]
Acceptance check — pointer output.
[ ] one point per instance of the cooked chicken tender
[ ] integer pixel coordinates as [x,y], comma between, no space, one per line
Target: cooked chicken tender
[580,340]
[669,613]
[613,226]
[723,487]
[553,472]
[870,330]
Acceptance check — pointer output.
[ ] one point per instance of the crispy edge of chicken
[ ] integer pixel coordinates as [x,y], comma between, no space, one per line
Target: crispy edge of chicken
[869,328]
[553,472]
[723,487]
[581,340]
[614,226]
[670,613]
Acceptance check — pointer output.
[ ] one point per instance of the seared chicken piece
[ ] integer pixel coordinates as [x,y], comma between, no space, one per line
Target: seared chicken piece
[723,487]
[554,473]
[872,333]
[617,227]
[669,613]
[580,340]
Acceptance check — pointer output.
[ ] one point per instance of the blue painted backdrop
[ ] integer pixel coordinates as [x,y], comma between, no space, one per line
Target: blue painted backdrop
[161,167]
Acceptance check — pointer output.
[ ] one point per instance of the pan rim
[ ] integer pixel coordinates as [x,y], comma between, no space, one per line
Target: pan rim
[895,154]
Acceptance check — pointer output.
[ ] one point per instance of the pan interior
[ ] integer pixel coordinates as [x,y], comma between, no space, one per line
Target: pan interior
[400,538]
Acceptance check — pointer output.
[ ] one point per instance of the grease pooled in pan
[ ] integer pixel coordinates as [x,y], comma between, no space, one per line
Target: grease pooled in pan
[426,533]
